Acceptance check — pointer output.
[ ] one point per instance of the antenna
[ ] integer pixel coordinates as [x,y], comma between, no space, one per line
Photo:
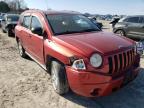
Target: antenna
[47,4]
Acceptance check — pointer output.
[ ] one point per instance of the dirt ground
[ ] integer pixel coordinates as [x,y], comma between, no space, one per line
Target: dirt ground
[24,84]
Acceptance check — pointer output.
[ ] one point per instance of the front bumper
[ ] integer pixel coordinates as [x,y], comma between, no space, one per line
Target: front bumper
[91,84]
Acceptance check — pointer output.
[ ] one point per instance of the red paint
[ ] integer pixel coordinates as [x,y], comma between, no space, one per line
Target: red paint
[82,46]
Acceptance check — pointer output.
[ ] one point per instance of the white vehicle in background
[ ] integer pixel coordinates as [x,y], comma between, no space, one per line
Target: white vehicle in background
[140,47]
[1,18]
[8,23]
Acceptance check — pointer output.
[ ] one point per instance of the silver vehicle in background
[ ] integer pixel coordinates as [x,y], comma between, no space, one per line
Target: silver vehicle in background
[140,47]
[8,23]
[1,18]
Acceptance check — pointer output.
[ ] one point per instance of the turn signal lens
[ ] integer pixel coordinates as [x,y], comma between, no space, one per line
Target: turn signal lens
[79,64]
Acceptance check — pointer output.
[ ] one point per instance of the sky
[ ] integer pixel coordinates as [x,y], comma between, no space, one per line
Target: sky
[120,7]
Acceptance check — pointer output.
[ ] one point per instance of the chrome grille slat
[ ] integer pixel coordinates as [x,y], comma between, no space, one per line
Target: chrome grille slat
[120,61]
[128,58]
[110,65]
[125,60]
[116,63]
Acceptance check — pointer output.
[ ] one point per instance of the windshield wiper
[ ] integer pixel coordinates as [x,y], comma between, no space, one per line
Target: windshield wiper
[67,32]
[89,30]
[70,32]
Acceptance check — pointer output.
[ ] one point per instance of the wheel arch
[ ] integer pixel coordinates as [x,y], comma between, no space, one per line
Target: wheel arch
[48,62]
[17,39]
[121,30]
[124,31]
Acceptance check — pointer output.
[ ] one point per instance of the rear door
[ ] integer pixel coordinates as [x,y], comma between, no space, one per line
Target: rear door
[25,32]
[36,44]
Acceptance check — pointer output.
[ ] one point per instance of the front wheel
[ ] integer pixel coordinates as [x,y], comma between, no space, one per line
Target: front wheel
[59,78]
[3,31]
[21,49]
[10,33]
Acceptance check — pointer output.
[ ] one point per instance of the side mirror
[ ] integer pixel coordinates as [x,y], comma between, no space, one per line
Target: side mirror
[37,30]
[45,35]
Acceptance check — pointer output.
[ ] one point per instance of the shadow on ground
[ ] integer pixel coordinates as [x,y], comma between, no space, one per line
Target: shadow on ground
[131,96]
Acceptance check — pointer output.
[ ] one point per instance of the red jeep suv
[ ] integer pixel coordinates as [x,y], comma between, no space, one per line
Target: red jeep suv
[77,54]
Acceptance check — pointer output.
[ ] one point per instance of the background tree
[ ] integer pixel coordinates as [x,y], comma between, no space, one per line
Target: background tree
[16,6]
[4,7]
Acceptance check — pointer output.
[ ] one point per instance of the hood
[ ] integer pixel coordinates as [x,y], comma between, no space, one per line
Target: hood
[101,42]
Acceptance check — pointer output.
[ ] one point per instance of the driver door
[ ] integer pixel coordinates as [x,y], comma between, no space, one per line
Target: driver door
[36,44]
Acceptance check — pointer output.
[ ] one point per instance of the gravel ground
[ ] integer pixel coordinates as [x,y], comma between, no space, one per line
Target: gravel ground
[24,84]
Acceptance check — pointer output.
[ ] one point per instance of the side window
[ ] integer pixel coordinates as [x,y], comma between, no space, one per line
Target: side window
[26,21]
[21,19]
[35,23]
[133,19]
[143,20]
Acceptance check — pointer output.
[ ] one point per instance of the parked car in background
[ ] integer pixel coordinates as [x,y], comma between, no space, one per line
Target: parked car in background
[140,47]
[131,27]
[76,53]
[1,18]
[9,22]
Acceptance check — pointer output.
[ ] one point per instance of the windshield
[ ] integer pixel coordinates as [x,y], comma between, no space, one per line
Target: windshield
[13,18]
[67,24]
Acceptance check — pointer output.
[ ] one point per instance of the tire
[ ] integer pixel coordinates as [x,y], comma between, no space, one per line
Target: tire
[3,31]
[59,78]
[120,32]
[10,33]
[21,50]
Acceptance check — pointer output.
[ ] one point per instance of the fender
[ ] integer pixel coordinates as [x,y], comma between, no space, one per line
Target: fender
[57,51]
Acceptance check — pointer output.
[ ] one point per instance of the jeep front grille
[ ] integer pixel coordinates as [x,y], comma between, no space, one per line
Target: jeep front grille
[120,61]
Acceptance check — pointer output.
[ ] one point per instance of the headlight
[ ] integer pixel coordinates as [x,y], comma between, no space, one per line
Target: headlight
[96,60]
[79,64]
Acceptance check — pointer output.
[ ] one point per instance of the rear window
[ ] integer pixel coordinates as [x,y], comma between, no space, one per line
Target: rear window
[26,21]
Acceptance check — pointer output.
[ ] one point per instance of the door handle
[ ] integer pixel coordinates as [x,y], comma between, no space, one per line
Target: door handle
[30,35]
